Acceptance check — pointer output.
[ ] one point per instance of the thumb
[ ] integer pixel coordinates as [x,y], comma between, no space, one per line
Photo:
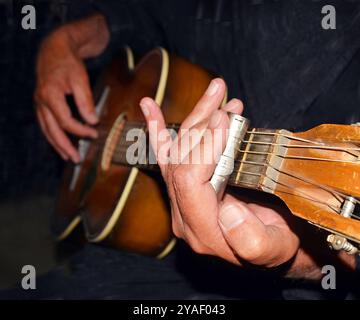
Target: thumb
[252,240]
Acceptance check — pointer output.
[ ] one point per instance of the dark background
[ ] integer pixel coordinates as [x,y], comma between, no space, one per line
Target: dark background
[29,168]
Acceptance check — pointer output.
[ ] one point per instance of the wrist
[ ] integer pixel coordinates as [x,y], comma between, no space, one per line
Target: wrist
[303,266]
[306,266]
[87,37]
[62,40]
[53,49]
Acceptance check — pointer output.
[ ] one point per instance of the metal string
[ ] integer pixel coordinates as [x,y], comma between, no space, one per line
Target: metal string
[314,145]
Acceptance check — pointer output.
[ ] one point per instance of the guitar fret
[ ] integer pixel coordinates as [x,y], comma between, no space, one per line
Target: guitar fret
[252,159]
[248,168]
[119,155]
[247,148]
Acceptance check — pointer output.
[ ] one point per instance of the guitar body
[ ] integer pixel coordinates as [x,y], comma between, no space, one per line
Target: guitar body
[77,179]
[122,206]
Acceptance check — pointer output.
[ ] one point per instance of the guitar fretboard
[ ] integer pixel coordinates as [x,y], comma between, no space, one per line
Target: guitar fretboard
[250,164]
[133,149]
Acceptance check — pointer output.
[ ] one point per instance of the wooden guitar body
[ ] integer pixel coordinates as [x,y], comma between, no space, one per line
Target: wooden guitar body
[123,206]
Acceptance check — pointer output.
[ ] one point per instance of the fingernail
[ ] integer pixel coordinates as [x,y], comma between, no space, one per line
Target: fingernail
[144,108]
[215,119]
[233,104]
[213,88]
[231,217]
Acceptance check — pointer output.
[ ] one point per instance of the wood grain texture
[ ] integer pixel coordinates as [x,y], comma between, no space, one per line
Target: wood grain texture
[144,225]
[306,185]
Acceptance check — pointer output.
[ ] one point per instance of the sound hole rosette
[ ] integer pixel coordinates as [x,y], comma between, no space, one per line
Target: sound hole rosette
[111,141]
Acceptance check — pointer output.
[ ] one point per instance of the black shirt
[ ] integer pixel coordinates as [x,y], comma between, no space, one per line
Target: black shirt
[274,55]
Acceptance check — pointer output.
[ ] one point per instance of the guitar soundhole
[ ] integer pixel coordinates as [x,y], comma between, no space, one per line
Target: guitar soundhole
[111,141]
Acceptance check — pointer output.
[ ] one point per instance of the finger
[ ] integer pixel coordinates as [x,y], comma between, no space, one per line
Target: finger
[161,142]
[59,137]
[208,103]
[234,106]
[159,136]
[252,240]
[186,140]
[203,157]
[190,137]
[47,135]
[83,96]
[61,111]
[193,191]
[186,157]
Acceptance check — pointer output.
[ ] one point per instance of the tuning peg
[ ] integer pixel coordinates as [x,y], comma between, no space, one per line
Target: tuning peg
[340,243]
[337,242]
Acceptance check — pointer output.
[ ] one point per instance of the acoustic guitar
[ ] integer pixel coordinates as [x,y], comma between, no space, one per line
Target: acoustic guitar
[315,173]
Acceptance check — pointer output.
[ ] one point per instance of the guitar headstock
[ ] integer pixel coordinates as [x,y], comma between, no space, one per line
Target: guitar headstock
[317,175]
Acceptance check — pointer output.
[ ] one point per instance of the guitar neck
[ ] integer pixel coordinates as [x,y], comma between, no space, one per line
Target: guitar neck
[253,158]
[133,149]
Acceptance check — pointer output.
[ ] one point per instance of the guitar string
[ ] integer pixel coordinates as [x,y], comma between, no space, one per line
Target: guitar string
[121,149]
[285,136]
[309,181]
[291,187]
[308,197]
[338,211]
[301,146]
[332,191]
[338,197]
[319,145]
[297,157]
[294,157]
[319,185]
[326,147]
[141,125]
[272,134]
